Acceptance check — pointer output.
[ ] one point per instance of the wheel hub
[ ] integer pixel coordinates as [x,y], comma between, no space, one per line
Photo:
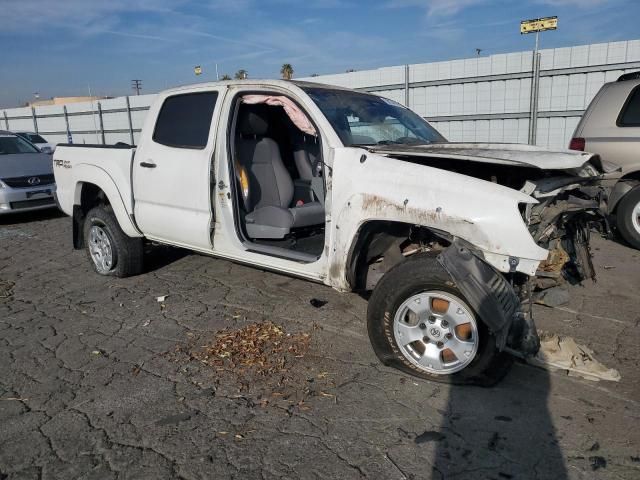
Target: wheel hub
[100,249]
[437,332]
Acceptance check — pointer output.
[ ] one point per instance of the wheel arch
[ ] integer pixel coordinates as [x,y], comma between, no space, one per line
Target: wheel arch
[375,238]
[97,188]
[625,184]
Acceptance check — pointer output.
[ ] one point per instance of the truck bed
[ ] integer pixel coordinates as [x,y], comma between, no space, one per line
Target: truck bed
[78,164]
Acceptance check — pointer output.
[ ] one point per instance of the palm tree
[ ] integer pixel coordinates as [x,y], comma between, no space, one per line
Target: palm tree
[225,77]
[241,74]
[286,71]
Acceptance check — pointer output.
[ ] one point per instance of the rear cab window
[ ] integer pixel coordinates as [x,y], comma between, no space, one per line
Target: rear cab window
[630,113]
[184,120]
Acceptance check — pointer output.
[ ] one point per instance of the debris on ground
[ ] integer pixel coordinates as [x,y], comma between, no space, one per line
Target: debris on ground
[559,352]
[261,364]
[598,462]
[6,289]
[317,303]
[552,297]
[161,298]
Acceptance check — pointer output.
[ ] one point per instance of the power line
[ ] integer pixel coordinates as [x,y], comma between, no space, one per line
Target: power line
[136,85]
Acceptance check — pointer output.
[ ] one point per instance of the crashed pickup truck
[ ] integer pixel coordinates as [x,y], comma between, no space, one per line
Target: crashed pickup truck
[354,191]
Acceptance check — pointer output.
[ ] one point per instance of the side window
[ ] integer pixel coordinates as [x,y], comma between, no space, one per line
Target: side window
[630,115]
[184,121]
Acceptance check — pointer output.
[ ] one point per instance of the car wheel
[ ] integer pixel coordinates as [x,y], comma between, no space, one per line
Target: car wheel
[420,323]
[110,250]
[628,218]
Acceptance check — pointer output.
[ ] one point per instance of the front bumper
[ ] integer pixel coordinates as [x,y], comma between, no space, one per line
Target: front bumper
[13,200]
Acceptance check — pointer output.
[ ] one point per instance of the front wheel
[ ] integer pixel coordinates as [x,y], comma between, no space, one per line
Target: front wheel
[110,250]
[420,323]
[628,218]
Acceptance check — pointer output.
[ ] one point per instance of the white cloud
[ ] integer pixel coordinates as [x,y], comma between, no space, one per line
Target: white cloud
[435,8]
[576,3]
[20,15]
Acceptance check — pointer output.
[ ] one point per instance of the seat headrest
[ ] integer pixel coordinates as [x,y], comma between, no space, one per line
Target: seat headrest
[254,121]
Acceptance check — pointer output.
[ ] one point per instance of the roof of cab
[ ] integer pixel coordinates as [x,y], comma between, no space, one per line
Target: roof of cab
[256,82]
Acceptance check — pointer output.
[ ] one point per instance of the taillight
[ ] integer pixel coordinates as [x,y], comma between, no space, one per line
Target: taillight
[577,144]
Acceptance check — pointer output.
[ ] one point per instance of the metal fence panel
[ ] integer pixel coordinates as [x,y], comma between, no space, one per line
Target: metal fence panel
[462,97]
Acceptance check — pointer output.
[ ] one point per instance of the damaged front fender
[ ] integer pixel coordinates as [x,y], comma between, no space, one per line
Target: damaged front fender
[368,187]
[492,298]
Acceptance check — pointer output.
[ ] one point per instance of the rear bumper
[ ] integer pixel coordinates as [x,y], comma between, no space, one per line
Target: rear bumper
[13,200]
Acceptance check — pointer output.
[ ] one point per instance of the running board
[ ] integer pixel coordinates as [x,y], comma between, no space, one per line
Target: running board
[281,253]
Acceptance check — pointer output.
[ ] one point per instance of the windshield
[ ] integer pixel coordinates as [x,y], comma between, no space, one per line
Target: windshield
[364,119]
[11,144]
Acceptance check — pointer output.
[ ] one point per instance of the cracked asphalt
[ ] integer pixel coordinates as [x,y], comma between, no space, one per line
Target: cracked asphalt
[90,388]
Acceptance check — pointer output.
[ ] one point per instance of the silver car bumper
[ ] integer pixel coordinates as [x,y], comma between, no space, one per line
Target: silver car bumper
[13,200]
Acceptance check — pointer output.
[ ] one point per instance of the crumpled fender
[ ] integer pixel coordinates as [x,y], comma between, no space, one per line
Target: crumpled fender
[369,187]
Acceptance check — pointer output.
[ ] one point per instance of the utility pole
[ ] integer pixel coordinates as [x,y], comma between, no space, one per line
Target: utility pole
[136,85]
[478,51]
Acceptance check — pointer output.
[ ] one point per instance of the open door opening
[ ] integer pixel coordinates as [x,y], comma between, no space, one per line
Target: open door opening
[279,186]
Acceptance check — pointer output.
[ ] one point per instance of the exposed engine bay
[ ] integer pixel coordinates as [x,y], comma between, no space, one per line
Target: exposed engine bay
[571,203]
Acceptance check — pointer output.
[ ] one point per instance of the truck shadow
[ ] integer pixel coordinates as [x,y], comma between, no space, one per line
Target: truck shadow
[501,432]
[158,256]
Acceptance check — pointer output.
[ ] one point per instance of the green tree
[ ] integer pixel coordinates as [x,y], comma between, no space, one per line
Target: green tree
[286,71]
[241,74]
[225,77]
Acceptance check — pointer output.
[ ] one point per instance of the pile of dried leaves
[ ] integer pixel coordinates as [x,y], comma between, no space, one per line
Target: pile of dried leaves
[262,364]
[261,349]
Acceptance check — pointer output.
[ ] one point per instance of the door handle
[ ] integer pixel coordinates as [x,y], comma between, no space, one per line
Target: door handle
[147,164]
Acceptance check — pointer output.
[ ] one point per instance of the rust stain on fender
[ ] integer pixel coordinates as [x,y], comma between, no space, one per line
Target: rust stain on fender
[375,204]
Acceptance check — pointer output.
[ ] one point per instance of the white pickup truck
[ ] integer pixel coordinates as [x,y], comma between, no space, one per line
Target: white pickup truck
[354,191]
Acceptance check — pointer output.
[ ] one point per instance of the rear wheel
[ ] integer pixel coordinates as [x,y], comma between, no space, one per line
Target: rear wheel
[628,218]
[110,250]
[419,322]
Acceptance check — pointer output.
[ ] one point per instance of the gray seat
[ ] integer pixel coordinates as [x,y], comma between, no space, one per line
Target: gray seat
[270,213]
[306,154]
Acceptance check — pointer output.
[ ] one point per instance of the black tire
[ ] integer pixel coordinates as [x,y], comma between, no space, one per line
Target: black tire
[624,218]
[127,252]
[418,274]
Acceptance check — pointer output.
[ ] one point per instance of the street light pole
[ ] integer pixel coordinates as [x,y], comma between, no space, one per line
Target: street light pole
[536,26]
[535,90]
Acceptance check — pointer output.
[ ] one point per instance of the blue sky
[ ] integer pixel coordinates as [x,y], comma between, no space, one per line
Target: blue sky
[61,47]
